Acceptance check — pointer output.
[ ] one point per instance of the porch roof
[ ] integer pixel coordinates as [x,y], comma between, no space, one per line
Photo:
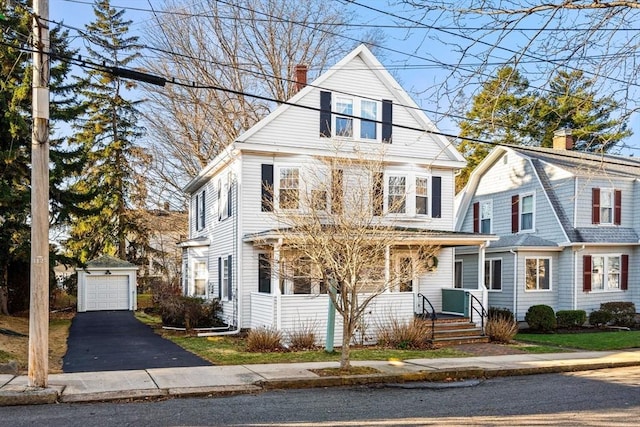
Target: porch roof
[402,235]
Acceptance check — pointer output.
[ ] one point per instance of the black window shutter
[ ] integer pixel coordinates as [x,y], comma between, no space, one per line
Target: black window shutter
[219,278]
[586,273]
[436,199]
[229,278]
[378,193]
[264,273]
[387,119]
[267,188]
[325,114]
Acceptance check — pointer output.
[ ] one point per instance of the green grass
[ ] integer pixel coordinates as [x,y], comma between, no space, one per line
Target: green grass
[617,340]
[226,350]
[5,357]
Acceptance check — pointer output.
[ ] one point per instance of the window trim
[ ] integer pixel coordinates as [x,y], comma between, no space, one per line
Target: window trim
[356,117]
[410,195]
[480,218]
[532,194]
[538,289]
[224,282]
[196,276]
[200,210]
[427,196]
[611,193]
[605,273]
[277,189]
[491,262]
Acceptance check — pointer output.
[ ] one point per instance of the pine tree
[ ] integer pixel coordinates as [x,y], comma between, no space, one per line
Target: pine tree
[15,148]
[508,111]
[109,134]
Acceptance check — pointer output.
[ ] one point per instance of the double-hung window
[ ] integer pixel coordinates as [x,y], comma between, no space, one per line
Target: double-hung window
[396,200]
[224,197]
[605,272]
[344,125]
[606,206]
[199,278]
[526,212]
[289,188]
[493,274]
[369,114]
[486,213]
[537,274]
[200,210]
[422,193]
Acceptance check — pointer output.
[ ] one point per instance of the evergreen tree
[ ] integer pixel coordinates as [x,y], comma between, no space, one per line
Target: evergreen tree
[15,148]
[109,134]
[508,111]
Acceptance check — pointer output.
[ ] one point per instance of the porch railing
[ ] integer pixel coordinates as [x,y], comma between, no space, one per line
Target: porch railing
[426,314]
[478,308]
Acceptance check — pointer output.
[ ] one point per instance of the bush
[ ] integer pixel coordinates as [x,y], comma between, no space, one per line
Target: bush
[571,318]
[501,328]
[622,313]
[541,318]
[189,312]
[414,334]
[264,340]
[500,313]
[599,318]
[303,337]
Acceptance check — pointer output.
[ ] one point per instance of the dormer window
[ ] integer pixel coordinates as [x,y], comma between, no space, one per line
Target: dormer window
[606,206]
[344,125]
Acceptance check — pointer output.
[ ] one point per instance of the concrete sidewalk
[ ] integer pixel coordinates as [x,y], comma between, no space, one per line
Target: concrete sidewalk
[224,380]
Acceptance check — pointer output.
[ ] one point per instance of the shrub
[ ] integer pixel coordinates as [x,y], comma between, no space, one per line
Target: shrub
[541,318]
[501,328]
[622,313]
[599,318]
[303,337]
[497,312]
[571,318]
[402,335]
[264,340]
[189,312]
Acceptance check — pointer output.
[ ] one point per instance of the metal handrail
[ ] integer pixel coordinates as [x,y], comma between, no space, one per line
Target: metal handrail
[432,315]
[482,312]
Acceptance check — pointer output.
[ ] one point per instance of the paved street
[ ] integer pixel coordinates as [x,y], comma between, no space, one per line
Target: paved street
[602,397]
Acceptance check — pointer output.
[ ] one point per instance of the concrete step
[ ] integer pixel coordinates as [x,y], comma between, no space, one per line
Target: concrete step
[452,333]
[447,342]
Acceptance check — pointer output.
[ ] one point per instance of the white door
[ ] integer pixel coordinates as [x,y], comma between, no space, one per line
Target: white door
[108,292]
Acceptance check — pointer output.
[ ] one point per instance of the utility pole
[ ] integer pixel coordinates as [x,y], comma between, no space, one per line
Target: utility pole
[39,295]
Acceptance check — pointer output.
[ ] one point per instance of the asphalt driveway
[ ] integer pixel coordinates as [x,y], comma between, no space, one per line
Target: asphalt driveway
[116,341]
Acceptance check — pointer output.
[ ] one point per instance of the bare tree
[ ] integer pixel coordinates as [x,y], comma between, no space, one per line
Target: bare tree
[595,38]
[336,234]
[231,48]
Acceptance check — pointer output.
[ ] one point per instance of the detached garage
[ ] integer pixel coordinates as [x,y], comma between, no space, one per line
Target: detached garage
[107,283]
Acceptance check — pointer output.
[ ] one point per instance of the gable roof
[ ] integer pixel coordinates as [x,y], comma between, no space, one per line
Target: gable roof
[576,163]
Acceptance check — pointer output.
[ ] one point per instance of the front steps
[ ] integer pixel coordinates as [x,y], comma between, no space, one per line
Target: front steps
[457,330]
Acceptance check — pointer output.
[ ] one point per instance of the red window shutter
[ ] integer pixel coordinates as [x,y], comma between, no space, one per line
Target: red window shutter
[586,273]
[476,217]
[617,207]
[624,273]
[515,212]
[595,206]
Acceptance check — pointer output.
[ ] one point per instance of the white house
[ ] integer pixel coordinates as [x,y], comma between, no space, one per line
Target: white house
[568,226]
[234,237]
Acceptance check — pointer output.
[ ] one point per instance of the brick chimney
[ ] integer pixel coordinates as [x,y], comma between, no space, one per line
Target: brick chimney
[301,76]
[563,139]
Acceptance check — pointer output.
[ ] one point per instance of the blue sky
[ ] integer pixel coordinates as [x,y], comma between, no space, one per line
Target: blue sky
[412,55]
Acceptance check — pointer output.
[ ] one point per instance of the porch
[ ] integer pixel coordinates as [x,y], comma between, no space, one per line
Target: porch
[458,317]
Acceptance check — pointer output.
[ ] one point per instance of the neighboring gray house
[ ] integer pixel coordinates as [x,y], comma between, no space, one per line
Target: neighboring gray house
[236,251]
[568,224]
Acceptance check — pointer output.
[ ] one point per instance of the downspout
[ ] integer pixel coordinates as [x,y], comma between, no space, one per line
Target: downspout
[574,305]
[515,283]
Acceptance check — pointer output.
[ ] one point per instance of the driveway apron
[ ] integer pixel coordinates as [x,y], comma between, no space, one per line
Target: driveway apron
[116,341]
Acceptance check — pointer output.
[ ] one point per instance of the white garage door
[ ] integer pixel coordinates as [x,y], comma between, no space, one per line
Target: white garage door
[107,292]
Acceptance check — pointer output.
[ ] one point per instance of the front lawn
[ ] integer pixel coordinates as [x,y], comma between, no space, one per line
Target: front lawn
[610,340]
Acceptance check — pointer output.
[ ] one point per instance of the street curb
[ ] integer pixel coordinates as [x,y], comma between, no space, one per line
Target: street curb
[28,396]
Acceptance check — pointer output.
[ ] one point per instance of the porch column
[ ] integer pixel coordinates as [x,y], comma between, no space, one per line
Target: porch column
[276,288]
[387,267]
[481,286]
